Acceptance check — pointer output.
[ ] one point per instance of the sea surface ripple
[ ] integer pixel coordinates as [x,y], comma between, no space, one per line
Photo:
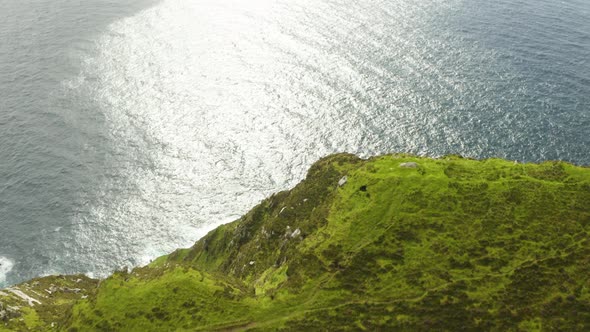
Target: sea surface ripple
[130,128]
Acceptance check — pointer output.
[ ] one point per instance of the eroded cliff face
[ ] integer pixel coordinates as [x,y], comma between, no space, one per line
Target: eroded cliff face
[395,242]
[40,304]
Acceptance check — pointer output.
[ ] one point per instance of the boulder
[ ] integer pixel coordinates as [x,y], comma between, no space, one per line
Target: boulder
[343,181]
[409,165]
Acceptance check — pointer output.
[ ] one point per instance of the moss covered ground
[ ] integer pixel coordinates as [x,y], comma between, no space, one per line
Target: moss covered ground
[395,242]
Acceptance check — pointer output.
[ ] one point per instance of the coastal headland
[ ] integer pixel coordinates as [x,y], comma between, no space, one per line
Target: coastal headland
[394,242]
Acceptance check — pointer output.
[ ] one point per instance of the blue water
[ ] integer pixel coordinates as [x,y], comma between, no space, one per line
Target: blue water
[130,128]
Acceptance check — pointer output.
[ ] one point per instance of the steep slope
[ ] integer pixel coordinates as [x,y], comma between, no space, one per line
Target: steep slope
[391,243]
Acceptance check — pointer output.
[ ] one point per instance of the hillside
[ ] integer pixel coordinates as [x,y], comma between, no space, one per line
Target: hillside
[395,242]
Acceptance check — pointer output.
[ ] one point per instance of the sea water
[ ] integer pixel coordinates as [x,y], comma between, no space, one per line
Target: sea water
[130,128]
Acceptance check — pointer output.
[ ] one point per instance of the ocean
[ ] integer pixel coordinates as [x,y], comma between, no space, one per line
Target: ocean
[130,128]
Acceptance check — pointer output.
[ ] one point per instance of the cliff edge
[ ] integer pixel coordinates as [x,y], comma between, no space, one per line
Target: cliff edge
[395,242]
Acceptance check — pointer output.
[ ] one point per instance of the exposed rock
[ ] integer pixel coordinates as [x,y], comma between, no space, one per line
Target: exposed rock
[352,246]
[409,165]
[265,233]
[292,234]
[9,313]
[296,233]
[71,290]
[31,301]
[39,295]
[343,181]
[52,289]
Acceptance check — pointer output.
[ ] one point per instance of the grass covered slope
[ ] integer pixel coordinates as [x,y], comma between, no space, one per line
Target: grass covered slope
[390,243]
[40,304]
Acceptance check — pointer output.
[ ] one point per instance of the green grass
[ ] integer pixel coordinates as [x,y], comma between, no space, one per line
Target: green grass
[145,301]
[454,244]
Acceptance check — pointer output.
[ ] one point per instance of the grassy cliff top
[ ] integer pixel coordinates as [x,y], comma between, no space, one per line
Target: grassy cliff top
[395,242]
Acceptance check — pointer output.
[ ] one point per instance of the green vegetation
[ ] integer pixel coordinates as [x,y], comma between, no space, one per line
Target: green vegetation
[40,304]
[443,244]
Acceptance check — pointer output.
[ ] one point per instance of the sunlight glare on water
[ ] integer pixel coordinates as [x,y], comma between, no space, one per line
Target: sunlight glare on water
[183,115]
[214,105]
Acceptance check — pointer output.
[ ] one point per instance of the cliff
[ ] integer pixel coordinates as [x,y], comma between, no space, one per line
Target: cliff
[395,242]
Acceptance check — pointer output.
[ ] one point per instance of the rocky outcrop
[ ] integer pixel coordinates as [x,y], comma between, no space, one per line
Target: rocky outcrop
[403,243]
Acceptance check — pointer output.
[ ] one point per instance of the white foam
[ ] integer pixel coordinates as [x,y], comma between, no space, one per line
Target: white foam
[5,267]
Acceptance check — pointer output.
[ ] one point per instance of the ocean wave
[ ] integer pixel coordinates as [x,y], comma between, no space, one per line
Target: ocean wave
[5,267]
